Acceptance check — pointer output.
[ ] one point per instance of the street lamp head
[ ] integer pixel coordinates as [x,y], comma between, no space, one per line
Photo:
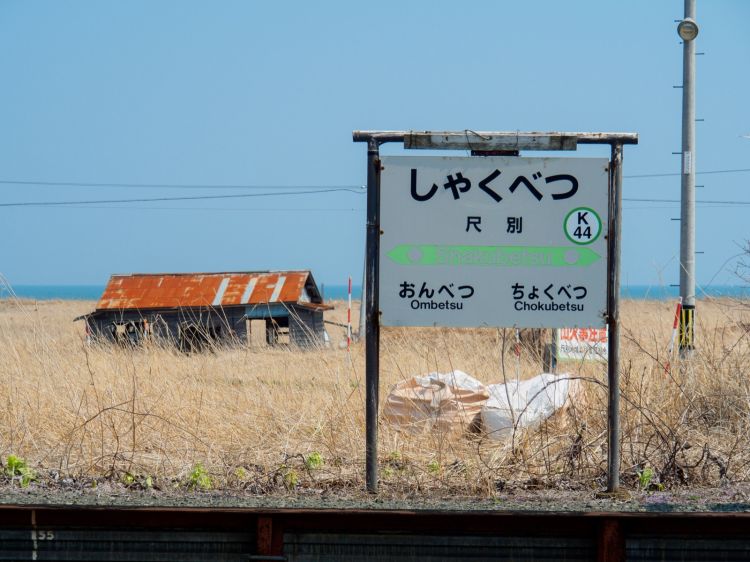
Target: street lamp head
[687,29]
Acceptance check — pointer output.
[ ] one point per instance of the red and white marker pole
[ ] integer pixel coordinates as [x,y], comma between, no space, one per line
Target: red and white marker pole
[349,317]
[675,324]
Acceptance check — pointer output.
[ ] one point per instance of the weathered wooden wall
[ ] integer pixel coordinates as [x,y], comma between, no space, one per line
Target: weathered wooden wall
[227,326]
[167,325]
[306,327]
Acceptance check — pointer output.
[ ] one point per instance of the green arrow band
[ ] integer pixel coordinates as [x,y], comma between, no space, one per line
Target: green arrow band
[493,256]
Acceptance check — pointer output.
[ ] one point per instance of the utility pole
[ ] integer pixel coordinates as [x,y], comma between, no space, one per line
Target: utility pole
[688,31]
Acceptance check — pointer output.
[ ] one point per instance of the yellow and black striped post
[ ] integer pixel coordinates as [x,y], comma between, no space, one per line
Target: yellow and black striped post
[687,327]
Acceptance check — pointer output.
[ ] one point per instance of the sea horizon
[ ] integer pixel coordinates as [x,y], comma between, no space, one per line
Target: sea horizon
[339,292]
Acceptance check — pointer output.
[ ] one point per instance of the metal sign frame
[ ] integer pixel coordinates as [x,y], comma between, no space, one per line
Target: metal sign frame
[484,142]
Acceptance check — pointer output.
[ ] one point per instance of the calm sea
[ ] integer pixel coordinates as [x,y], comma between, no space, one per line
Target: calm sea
[93,292]
[338,292]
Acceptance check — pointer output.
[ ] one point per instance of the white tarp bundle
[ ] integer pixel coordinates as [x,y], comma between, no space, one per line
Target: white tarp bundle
[438,401]
[525,403]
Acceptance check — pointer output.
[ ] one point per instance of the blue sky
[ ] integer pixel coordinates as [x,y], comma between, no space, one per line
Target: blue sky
[267,94]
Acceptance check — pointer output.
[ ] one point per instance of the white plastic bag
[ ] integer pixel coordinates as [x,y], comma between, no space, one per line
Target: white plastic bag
[525,404]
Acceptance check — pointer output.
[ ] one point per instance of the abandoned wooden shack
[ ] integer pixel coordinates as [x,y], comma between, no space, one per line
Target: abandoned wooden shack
[197,310]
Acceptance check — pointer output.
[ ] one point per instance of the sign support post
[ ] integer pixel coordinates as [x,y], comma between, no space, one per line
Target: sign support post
[486,142]
[372,320]
[613,321]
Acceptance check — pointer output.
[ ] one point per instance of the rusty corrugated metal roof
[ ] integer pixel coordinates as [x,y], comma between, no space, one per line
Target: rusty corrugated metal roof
[172,290]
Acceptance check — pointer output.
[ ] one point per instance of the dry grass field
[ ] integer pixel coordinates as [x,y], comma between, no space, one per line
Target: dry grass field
[274,420]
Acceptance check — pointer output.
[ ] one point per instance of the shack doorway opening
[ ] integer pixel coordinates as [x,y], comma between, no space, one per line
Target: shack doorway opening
[277,331]
[194,337]
[128,333]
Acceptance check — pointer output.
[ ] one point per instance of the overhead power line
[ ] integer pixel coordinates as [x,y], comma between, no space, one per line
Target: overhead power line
[184,198]
[277,191]
[91,204]
[700,201]
[221,209]
[172,185]
[42,183]
[738,170]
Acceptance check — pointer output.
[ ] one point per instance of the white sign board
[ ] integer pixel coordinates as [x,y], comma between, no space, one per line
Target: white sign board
[582,344]
[493,241]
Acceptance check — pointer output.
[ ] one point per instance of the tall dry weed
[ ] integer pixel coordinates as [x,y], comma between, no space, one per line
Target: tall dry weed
[254,416]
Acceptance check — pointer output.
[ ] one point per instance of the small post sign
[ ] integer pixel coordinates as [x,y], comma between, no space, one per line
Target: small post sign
[582,344]
[493,241]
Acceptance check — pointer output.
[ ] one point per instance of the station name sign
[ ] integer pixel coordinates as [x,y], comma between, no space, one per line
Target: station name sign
[493,241]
